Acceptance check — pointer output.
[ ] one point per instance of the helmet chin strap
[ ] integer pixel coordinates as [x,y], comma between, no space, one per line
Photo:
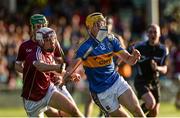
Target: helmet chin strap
[101,33]
[91,35]
[49,50]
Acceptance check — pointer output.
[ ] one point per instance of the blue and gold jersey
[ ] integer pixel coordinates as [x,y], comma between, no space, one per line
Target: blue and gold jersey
[99,66]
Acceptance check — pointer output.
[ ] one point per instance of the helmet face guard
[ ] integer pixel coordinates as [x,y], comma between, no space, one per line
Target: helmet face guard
[38,19]
[44,34]
[93,18]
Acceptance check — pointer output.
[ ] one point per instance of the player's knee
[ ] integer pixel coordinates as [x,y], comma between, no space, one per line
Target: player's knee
[150,104]
[52,112]
[137,109]
[153,113]
[90,100]
[75,112]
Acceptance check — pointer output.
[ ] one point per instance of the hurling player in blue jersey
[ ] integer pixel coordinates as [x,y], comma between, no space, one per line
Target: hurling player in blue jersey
[108,89]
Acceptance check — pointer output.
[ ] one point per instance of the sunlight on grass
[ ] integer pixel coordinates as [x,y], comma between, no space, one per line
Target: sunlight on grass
[167,109]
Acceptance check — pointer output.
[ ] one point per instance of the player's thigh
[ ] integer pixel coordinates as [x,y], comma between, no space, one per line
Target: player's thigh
[149,99]
[108,100]
[129,100]
[52,112]
[154,112]
[66,93]
[119,113]
[141,88]
[61,102]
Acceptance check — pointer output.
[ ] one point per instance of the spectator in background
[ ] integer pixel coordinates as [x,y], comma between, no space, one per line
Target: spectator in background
[152,63]
[11,58]
[3,67]
[110,26]
[3,34]
[3,61]
[123,68]
[175,63]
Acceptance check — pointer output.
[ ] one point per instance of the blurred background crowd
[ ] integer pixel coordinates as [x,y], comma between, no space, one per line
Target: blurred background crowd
[130,20]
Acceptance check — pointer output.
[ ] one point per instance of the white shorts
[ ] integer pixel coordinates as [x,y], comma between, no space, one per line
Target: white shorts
[37,108]
[66,93]
[108,100]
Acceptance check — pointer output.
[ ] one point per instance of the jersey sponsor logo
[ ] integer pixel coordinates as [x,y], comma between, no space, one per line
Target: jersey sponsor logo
[143,58]
[102,46]
[157,58]
[102,61]
[98,61]
[28,50]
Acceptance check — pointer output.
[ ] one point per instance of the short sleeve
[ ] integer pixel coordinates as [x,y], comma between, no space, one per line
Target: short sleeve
[21,54]
[35,55]
[80,53]
[116,45]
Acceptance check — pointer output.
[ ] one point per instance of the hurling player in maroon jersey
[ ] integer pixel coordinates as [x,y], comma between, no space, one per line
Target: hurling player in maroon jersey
[39,92]
[37,21]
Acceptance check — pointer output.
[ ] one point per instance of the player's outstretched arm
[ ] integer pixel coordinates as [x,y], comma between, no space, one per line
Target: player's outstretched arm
[43,67]
[130,58]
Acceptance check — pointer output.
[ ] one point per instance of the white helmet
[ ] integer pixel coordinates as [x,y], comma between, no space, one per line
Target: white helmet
[44,33]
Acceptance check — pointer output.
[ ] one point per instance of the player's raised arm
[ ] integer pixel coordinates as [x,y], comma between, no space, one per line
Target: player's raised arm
[129,58]
[43,67]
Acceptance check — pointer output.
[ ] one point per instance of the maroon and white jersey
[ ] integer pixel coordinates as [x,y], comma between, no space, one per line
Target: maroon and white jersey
[25,48]
[36,83]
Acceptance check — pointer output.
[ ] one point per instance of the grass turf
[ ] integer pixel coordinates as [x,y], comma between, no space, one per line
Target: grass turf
[166,110]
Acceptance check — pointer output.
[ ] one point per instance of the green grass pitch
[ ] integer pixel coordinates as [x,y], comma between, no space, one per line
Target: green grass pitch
[166,110]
